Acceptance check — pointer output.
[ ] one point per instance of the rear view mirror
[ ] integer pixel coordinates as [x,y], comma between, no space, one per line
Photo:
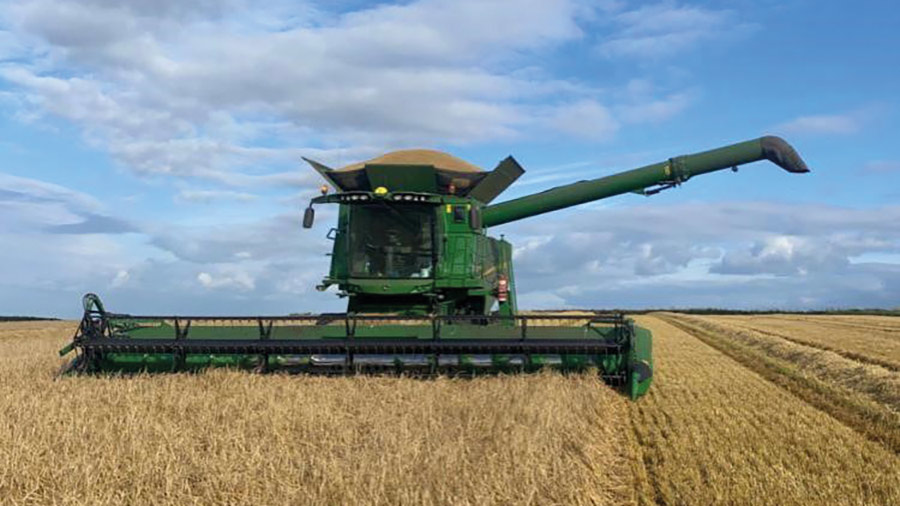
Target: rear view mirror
[474,218]
[309,216]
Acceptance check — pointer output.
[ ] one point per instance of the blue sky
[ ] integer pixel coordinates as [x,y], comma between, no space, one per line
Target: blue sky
[150,151]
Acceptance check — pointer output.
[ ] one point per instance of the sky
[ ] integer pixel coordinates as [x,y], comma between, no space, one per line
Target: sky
[151,151]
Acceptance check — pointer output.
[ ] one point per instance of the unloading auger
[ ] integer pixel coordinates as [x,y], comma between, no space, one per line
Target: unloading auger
[428,290]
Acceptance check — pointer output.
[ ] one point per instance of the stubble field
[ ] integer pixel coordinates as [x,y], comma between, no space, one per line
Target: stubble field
[774,409]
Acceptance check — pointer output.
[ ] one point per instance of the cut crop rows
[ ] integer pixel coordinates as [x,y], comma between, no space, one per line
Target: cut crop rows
[714,431]
[738,414]
[858,339]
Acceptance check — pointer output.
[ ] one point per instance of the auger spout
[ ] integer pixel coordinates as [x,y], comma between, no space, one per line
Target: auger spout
[649,179]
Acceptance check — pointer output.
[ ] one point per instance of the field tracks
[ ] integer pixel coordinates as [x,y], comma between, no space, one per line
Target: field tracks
[714,431]
[863,396]
[852,355]
[735,416]
[851,338]
[852,322]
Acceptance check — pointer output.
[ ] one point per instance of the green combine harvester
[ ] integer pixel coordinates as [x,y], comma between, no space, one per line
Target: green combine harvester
[428,291]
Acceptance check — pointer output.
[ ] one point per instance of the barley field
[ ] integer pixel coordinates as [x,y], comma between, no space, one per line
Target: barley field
[229,437]
[868,339]
[774,409]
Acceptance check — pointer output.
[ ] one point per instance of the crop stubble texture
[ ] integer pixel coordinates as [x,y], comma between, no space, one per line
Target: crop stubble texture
[864,396]
[713,432]
[869,339]
[239,438]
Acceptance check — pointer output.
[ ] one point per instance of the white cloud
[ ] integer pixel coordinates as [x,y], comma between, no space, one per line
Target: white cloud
[785,255]
[121,278]
[586,119]
[34,190]
[207,196]
[234,92]
[728,254]
[656,31]
[743,254]
[144,82]
[30,205]
[837,124]
[542,300]
[654,110]
[235,279]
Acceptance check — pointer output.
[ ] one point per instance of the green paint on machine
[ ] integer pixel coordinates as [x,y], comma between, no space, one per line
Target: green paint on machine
[428,290]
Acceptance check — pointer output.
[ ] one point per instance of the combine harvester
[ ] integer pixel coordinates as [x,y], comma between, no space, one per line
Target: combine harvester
[429,292]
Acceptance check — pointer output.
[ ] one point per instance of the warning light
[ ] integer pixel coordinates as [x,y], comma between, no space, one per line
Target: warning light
[502,289]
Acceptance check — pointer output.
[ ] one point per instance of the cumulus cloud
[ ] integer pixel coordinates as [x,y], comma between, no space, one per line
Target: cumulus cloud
[235,279]
[785,255]
[272,238]
[727,254]
[222,98]
[235,92]
[63,244]
[150,84]
[734,254]
[57,241]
